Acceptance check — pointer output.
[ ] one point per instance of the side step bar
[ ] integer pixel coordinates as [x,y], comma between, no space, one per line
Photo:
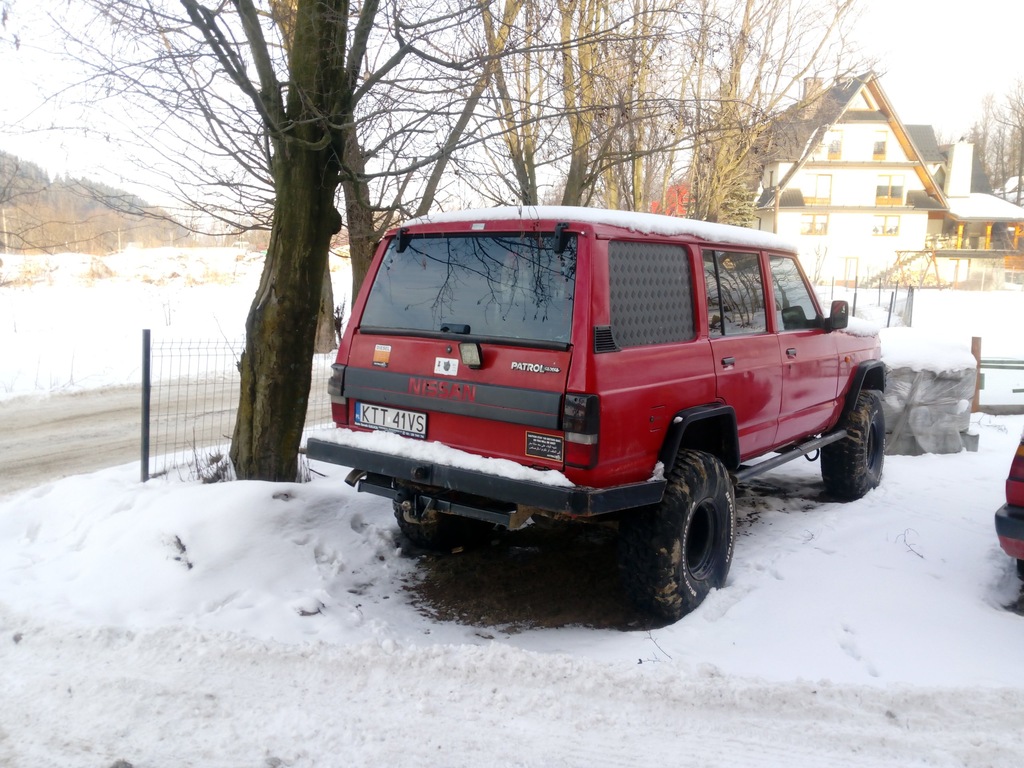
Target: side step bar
[745,473]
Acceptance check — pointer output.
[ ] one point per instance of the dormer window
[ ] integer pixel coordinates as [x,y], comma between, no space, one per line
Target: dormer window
[822,191]
[834,142]
[889,190]
[878,153]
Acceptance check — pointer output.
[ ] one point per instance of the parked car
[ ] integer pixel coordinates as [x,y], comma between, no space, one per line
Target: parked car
[597,366]
[1010,516]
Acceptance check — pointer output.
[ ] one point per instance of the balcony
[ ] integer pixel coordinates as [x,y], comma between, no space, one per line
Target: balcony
[977,245]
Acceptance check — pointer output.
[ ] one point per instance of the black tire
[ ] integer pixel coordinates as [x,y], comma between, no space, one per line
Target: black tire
[853,466]
[674,553]
[1020,570]
[443,533]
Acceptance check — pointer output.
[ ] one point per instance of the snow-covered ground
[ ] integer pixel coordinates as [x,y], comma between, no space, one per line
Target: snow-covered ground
[250,624]
[57,336]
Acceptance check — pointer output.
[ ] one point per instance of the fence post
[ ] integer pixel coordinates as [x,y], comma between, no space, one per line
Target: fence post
[976,351]
[146,389]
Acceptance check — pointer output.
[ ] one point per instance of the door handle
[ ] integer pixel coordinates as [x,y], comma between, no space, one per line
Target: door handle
[791,352]
[727,361]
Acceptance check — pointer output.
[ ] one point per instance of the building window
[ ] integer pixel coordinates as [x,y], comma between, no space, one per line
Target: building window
[834,142]
[886,225]
[878,153]
[889,190]
[822,191]
[814,224]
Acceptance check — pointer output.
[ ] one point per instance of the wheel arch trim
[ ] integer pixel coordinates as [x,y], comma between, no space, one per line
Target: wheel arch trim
[688,422]
[869,375]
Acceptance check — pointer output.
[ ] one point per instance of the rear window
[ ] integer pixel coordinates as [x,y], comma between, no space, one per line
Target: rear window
[492,286]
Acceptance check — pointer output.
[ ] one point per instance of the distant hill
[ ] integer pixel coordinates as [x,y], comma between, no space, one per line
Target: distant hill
[40,215]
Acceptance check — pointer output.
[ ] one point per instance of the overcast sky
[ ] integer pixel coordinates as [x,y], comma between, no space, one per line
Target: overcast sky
[936,61]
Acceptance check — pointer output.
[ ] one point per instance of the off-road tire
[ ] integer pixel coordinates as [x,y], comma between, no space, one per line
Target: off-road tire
[443,533]
[674,553]
[853,466]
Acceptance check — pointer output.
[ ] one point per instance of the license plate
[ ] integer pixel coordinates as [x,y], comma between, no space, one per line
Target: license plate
[409,423]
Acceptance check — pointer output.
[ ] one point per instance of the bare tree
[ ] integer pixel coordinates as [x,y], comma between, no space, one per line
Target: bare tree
[755,58]
[1012,119]
[619,103]
[989,138]
[586,99]
[262,112]
[998,138]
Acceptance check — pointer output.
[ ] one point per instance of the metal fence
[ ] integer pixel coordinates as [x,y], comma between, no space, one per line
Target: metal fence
[190,398]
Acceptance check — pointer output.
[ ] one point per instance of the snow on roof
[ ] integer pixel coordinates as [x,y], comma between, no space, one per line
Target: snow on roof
[984,207]
[647,223]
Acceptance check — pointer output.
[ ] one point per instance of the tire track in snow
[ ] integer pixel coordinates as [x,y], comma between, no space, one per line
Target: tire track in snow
[176,696]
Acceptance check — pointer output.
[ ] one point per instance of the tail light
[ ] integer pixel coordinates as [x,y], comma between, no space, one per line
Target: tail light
[1015,482]
[339,403]
[581,422]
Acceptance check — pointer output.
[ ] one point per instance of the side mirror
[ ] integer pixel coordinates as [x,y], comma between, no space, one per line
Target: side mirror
[839,316]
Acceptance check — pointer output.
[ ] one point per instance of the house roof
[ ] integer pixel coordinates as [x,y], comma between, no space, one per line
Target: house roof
[919,199]
[792,138]
[792,198]
[981,207]
[1009,190]
[796,137]
[927,145]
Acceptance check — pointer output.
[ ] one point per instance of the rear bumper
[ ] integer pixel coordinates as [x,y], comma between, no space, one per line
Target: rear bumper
[1010,530]
[387,472]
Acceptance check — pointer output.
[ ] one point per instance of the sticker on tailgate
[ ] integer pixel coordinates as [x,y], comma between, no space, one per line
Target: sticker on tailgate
[544,446]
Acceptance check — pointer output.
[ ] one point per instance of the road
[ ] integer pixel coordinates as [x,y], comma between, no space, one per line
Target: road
[48,437]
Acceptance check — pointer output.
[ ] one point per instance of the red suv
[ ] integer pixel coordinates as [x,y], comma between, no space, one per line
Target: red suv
[1010,516]
[596,366]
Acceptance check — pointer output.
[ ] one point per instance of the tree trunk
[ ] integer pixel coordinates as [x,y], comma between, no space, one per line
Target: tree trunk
[326,335]
[281,326]
[362,236]
[362,230]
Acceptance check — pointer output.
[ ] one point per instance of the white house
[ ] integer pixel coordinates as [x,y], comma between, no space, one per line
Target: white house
[870,200]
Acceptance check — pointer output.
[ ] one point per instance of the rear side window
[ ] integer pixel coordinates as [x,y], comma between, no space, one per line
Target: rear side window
[736,297]
[650,293]
[794,306]
[512,287]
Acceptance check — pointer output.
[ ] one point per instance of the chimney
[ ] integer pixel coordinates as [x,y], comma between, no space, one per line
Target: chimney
[960,166]
[812,88]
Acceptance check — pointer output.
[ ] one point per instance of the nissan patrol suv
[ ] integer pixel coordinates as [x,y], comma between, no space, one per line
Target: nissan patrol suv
[573,363]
